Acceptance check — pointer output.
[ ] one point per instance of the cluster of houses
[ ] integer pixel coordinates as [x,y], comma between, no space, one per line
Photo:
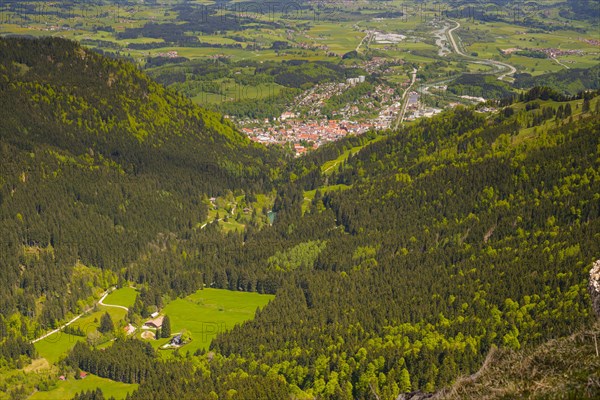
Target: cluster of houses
[156,322]
[315,133]
[307,128]
[355,81]
[593,42]
[82,375]
[550,52]
[169,54]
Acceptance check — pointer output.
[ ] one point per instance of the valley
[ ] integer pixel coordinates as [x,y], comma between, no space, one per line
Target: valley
[256,200]
[204,315]
[179,44]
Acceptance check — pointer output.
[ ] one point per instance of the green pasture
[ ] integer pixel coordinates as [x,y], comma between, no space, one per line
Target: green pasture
[209,312]
[59,344]
[122,297]
[339,37]
[310,195]
[68,388]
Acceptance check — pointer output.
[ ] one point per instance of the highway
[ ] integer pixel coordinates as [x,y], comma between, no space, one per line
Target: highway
[497,64]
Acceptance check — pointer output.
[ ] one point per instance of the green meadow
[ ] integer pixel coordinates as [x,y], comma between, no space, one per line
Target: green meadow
[339,37]
[56,346]
[209,312]
[68,388]
[204,314]
[59,344]
[310,195]
[501,36]
[122,297]
[237,220]
[527,134]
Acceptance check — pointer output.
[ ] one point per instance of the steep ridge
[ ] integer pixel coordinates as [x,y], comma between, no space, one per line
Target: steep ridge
[97,162]
[459,234]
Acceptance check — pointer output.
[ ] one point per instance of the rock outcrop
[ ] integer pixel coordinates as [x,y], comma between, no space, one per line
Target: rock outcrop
[594,287]
[417,395]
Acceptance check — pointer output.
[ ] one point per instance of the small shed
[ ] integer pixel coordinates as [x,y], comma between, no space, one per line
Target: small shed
[129,329]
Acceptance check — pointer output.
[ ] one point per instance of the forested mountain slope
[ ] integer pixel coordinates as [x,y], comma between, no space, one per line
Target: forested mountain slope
[570,81]
[458,234]
[98,161]
[455,235]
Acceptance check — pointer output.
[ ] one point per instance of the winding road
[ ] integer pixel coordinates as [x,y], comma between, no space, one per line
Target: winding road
[100,302]
[44,336]
[500,65]
[559,63]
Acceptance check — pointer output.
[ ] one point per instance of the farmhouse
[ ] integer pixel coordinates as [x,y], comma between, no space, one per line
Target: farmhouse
[155,323]
[176,341]
[129,329]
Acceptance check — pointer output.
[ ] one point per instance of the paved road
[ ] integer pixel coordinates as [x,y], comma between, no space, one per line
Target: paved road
[497,64]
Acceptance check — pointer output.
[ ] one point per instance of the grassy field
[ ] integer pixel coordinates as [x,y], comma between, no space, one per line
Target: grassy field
[204,313]
[238,220]
[122,297]
[59,344]
[502,36]
[340,38]
[67,389]
[232,91]
[231,225]
[208,312]
[525,135]
[55,346]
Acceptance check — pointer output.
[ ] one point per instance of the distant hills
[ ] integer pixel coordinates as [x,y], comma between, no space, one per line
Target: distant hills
[569,81]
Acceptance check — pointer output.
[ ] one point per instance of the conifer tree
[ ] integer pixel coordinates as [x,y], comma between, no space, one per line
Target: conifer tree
[166,327]
[106,323]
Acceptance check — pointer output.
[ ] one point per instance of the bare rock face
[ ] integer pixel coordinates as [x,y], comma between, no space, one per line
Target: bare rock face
[594,287]
[417,395]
